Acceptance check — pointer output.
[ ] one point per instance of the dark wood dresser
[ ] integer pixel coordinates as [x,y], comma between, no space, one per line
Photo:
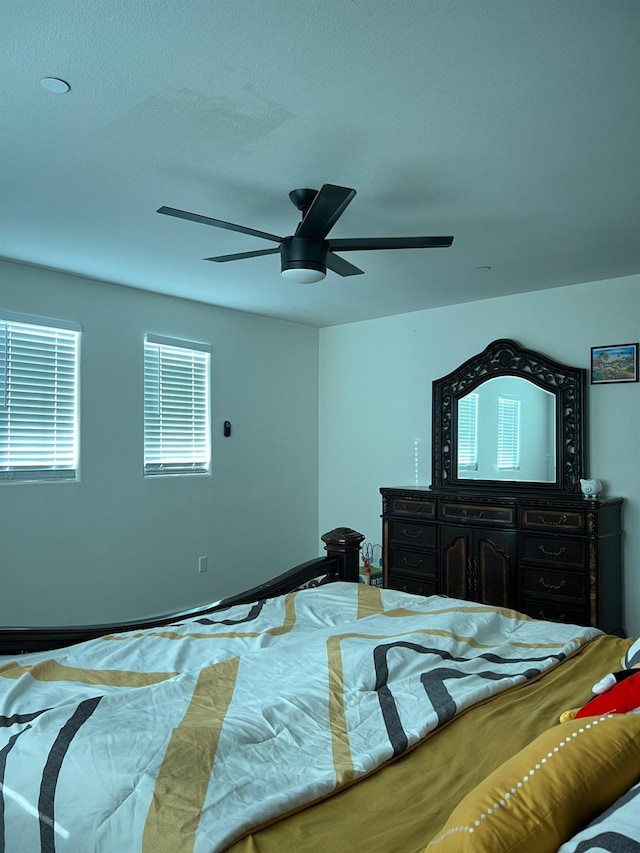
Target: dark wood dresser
[557,558]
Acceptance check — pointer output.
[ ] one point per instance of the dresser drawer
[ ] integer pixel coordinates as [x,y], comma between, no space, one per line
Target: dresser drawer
[413,507]
[541,518]
[562,552]
[554,611]
[474,513]
[416,586]
[416,535]
[548,582]
[418,562]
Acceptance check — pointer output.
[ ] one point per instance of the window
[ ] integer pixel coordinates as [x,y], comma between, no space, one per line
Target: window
[38,398]
[176,406]
[468,433]
[508,433]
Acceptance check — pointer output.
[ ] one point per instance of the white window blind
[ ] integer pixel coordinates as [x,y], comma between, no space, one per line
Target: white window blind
[468,432]
[176,406]
[508,433]
[38,398]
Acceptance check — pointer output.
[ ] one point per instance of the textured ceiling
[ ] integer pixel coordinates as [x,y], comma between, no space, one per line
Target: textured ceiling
[512,124]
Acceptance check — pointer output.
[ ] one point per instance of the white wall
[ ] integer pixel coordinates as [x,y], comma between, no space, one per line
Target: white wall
[117,546]
[375,397]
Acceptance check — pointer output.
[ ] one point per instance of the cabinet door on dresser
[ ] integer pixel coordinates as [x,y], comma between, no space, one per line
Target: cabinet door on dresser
[478,564]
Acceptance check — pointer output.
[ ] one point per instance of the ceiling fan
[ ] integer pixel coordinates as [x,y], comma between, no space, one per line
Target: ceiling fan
[306,254]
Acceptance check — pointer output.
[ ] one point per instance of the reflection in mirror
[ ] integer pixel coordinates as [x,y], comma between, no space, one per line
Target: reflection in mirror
[534,434]
[507,432]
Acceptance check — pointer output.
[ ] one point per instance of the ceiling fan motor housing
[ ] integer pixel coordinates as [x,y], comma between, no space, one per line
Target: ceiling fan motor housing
[301,253]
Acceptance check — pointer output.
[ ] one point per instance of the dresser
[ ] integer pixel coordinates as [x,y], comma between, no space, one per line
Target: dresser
[556,557]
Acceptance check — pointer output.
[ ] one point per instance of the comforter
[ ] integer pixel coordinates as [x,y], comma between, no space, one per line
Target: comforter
[185,738]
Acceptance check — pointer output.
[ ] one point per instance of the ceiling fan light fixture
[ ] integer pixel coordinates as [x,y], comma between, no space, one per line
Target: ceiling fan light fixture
[303,275]
[303,260]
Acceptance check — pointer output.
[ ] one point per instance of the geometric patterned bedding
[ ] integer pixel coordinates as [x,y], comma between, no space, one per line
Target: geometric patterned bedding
[186,737]
[616,830]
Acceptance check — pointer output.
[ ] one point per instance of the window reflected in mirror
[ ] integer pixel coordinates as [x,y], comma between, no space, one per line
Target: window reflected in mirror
[506,430]
[468,433]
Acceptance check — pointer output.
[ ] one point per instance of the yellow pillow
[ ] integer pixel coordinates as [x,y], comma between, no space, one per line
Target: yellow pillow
[543,795]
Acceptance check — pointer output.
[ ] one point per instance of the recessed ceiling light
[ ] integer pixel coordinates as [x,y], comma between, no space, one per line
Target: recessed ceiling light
[55,84]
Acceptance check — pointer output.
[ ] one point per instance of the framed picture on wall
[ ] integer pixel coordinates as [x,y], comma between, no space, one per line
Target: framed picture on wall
[614,363]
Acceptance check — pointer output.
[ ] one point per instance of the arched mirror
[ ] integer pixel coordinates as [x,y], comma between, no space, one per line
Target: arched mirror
[510,418]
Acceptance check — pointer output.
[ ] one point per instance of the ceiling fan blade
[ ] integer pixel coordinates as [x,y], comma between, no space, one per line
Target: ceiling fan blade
[324,211]
[341,266]
[218,223]
[356,244]
[222,259]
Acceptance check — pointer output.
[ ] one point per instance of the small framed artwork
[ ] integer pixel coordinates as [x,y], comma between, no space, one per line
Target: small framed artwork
[614,363]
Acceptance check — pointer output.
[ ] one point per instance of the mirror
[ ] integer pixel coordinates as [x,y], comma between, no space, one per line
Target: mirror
[509,418]
[507,431]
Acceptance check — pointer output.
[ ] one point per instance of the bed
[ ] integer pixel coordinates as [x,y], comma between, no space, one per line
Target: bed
[315,713]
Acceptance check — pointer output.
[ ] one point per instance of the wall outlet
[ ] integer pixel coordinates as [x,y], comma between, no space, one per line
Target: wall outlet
[202,564]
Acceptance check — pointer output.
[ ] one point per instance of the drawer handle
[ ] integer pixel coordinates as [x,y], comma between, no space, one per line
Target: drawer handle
[548,585]
[561,617]
[412,507]
[468,514]
[551,553]
[413,565]
[562,520]
[416,535]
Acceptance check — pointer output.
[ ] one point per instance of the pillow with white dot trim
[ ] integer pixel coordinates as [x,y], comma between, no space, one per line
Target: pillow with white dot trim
[544,794]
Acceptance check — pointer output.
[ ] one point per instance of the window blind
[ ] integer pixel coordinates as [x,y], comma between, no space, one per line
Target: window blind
[38,398]
[176,406]
[508,433]
[468,432]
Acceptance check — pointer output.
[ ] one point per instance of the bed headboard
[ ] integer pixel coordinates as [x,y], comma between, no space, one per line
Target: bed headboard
[341,563]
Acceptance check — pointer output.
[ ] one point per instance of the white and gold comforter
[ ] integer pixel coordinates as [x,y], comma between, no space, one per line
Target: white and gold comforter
[184,738]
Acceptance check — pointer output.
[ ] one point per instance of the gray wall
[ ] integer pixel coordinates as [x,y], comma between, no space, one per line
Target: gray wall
[115,545]
[375,397]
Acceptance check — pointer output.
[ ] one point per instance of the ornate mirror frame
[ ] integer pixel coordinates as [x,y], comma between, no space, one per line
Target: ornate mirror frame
[504,357]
